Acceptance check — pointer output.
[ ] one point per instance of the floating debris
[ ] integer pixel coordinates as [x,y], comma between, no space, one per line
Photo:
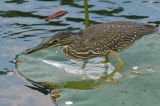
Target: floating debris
[56,15]
[135,68]
[10,73]
[68,102]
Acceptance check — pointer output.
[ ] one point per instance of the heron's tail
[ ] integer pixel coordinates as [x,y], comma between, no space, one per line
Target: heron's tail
[150,29]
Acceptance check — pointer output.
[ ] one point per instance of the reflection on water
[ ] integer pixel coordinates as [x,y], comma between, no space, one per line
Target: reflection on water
[3,72]
[155,22]
[133,16]
[106,12]
[16,1]
[22,22]
[90,71]
[16,13]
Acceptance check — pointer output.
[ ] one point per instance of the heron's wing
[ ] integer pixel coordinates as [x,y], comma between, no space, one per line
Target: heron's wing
[117,29]
[116,35]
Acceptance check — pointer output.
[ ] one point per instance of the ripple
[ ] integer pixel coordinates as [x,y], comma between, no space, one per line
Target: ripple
[106,12]
[108,1]
[16,1]
[133,16]
[16,13]
[155,22]
[80,20]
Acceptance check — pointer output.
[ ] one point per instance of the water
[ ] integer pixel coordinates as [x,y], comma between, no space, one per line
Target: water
[22,26]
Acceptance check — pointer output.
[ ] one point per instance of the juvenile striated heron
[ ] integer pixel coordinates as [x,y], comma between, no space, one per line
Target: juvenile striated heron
[100,40]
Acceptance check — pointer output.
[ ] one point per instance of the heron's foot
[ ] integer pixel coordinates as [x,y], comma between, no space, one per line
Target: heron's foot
[120,65]
[110,76]
[112,82]
[107,77]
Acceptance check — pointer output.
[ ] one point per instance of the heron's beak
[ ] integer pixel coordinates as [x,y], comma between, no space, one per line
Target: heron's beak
[38,48]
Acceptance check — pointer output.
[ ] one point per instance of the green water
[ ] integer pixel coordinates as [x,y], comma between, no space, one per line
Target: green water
[22,26]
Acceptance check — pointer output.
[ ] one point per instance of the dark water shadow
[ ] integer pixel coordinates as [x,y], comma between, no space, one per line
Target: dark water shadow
[81,20]
[125,2]
[133,16]
[3,72]
[55,89]
[108,1]
[155,22]
[16,13]
[107,12]
[16,1]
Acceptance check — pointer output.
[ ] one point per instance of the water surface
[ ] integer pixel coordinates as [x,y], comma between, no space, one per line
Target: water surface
[22,26]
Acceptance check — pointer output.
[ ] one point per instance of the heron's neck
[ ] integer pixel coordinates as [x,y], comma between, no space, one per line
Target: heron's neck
[70,38]
[78,34]
[75,36]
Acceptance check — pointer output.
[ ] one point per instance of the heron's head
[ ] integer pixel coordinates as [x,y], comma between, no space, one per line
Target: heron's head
[59,39]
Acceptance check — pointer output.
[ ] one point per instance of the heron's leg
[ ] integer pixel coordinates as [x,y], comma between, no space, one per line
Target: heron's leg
[84,64]
[83,68]
[106,60]
[120,64]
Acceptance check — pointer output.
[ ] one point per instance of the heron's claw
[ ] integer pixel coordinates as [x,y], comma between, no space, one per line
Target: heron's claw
[112,82]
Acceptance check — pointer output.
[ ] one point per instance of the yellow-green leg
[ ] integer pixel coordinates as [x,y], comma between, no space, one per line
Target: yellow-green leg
[120,65]
[106,60]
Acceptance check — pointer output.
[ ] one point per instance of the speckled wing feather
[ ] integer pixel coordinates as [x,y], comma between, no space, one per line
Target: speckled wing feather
[115,35]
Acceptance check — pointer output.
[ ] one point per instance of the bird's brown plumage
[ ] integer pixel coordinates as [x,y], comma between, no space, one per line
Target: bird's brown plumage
[115,35]
[101,39]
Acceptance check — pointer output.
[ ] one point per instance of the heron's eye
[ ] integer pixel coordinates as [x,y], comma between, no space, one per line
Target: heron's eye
[54,41]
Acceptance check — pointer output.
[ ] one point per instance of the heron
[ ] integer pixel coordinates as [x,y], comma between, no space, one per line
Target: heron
[106,39]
